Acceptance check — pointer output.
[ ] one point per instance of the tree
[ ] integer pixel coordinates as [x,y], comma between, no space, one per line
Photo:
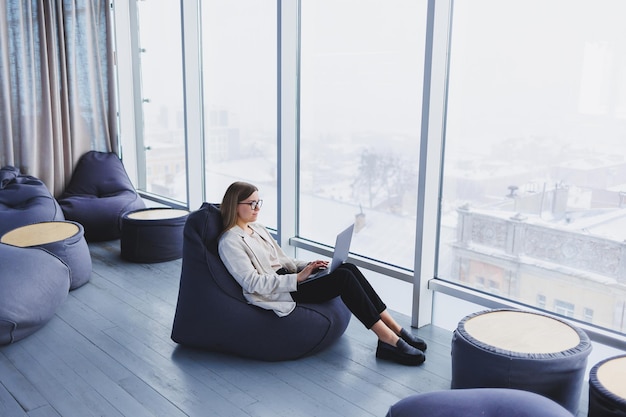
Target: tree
[382,178]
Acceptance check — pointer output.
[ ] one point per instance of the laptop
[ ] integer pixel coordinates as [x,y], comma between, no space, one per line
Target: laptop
[340,255]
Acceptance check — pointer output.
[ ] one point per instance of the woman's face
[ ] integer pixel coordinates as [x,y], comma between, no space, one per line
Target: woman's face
[245,213]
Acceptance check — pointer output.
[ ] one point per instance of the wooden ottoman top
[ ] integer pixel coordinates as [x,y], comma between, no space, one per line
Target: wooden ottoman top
[157,214]
[612,375]
[40,233]
[522,332]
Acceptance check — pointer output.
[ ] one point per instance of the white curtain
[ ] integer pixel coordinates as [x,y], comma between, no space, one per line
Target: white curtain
[56,86]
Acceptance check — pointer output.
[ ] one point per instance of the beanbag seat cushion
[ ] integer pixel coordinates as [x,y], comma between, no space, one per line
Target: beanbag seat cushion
[607,388]
[98,194]
[64,239]
[33,284]
[24,199]
[510,348]
[478,402]
[212,313]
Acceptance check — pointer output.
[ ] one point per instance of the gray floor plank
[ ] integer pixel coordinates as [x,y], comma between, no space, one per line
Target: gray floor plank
[150,398]
[58,396]
[45,411]
[19,389]
[75,368]
[9,405]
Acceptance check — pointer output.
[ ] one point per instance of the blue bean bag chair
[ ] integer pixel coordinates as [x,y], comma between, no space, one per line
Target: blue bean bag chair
[65,239]
[25,200]
[74,251]
[478,402]
[33,284]
[212,313]
[98,195]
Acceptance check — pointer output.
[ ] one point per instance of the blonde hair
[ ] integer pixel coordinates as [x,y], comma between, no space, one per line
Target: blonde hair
[235,193]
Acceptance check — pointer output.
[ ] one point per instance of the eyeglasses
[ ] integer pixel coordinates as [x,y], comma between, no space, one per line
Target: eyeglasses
[253,204]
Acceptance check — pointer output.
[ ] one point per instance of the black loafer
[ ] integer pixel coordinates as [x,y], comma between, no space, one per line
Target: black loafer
[402,353]
[412,340]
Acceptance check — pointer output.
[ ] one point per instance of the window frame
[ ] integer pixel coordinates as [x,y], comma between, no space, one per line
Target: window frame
[425,284]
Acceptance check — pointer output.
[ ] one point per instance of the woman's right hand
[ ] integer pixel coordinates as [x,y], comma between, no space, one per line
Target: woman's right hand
[310,269]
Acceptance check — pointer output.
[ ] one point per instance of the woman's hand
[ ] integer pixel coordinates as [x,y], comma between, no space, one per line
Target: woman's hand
[311,268]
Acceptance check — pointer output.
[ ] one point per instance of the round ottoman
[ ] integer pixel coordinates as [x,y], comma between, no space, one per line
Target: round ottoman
[607,388]
[508,348]
[153,234]
[65,239]
[33,284]
[477,402]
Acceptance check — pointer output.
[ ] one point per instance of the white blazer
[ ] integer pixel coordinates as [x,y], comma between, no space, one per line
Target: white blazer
[248,262]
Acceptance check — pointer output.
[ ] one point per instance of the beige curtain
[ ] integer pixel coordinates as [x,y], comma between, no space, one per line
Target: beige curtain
[56,86]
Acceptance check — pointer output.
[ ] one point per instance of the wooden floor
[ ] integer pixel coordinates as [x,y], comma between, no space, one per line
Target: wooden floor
[108,352]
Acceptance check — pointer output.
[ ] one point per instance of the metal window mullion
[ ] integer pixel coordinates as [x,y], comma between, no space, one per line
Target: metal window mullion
[129,89]
[288,122]
[192,81]
[430,165]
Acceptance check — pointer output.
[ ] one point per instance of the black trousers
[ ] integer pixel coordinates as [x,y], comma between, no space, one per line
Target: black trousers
[351,285]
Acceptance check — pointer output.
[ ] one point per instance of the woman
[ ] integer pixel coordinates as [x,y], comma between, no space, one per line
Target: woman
[272,280]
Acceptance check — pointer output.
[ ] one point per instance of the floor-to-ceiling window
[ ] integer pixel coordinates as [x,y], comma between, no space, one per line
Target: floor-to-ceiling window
[360,112]
[161,122]
[239,75]
[533,201]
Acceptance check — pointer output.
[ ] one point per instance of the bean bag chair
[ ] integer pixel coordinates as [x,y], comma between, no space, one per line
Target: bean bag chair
[212,313]
[478,402]
[65,239]
[33,284]
[24,200]
[98,195]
